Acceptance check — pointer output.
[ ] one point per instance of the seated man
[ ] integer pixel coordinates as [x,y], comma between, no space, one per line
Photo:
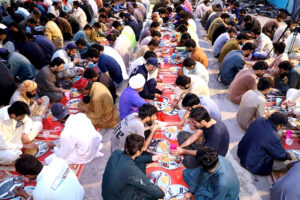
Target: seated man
[123,179]
[222,39]
[223,19]
[271,26]
[214,177]
[263,44]
[79,141]
[135,124]
[280,57]
[196,52]
[234,62]
[246,80]
[261,145]
[149,91]
[26,93]
[195,68]
[151,46]
[189,84]
[155,35]
[191,101]
[46,80]
[91,75]
[253,103]
[287,187]
[209,132]
[140,61]
[98,104]
[288,77]
[17,131]
[130,99]
[55,181]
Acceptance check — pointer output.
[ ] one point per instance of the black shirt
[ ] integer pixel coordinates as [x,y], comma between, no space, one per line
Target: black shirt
[7,84]
[107,81]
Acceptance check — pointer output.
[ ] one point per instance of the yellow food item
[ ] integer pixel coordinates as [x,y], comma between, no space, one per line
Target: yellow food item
[165,180]
[31,151]
[168,109]
[75,94]
[172,69]
[163,146]
[165,158]
[171,130]
[74,105]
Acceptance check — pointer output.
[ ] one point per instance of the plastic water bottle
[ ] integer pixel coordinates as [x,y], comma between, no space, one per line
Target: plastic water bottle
[288,138]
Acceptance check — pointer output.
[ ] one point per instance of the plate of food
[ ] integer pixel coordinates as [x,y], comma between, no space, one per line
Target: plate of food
[28,190]
[159,146]
[8,185]
[159,105]
[174,69]
[164,100]
[171,132]
[41,150]
[174,61]
[295,152]
[74,93]
[73,103]
[294,122]
[57,144]
[170,111]
[273,109]
[165,50]
[170,162]
[161,179]
[175,192]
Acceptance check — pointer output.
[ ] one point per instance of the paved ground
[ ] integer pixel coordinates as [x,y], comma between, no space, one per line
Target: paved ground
[252,187]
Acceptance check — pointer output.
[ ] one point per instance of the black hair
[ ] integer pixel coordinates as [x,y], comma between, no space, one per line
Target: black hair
[207,157]
[182,28]
[93,53]
[278,118]
[44,19]
[281,15]
[63,14]
[242,36]
[18,108]
[56,62]
[89,85]
[279,47]
[179,9]
[97,46]
[2,32]
[190,100]
[264,83]
[154,25]
[80,41]
[87,27]
[153,42]
[102,10]
[28,165]
[103,16]
[224,15]
[162,10]
[182,80]
[116,24]
[97,25]
[155,33]
[111,37]
[30,36]
[256,31]
[90,73]
[32,21]
[147,110]
[232,30]
[133,144]
[260,65]
[206,1]
[199,114]
[76,3]
[186,36]
[149,54]
[188,62]
[248,18]
[51,16]
[286,65]
[242,11]
[248,46]
[190,43]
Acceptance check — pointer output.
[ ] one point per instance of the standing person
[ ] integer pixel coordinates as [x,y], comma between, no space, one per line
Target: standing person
[47,177]
[52,31]
[196,52]
[123,179]
[17,131]
[233,62]
[26,93]
[253,103]
[246,80]
[258,155]
[75,147]
[208,132]
[130,100]
[136,123]
[99,106]
[46,80]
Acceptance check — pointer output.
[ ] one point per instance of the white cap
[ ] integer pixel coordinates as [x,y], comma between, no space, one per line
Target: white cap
[137,81]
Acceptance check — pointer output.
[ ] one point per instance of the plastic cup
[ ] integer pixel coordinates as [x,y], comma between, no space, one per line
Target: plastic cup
[173,147]
[278,101]
[173,55]
[160,99]
[161,77]
[67,94]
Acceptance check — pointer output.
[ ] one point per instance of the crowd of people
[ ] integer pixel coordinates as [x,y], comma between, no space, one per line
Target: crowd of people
[50,47]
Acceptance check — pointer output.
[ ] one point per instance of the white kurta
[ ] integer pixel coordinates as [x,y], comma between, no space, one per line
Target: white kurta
[79,141]
[199,71]
[68,188]
[81,16]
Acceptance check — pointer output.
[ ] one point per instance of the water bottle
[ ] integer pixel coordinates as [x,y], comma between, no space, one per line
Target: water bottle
[288,138]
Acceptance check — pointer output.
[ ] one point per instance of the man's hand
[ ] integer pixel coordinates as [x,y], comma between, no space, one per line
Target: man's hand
[188,195]
[181,124]
[51,145]
[156,157]
[177,152]
[293,156]
[157,95]
[25,139]
[30,146]
[19,191]
[40,101]
[75,61]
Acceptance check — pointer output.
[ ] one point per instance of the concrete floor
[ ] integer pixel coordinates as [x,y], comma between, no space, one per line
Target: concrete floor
[252,187]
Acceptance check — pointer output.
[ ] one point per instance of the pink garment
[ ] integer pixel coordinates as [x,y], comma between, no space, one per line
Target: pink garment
[188,5]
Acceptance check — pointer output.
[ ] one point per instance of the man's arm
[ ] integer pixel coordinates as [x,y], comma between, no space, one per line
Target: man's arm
[149,139]
[190,140]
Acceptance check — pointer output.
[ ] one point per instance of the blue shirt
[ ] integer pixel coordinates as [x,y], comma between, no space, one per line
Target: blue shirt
[130,101]
[81,34]
[110,65]
[259,147]
[20,66]
[231,65]
[222,184]
[47,46]
[211,107]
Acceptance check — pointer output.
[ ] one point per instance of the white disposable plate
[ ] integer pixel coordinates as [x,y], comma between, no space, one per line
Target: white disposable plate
[56,142]
[160,178]
[173,162]
[154,146]
[172,112]
[73,103]
[295,152]
[28,190]
[42,148]
[174,69]
[175,191]
[171,132]
[8,185]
